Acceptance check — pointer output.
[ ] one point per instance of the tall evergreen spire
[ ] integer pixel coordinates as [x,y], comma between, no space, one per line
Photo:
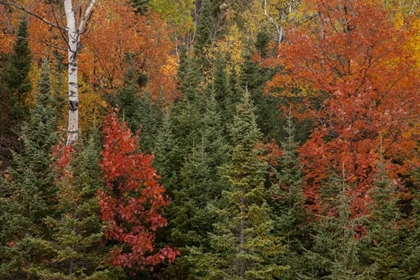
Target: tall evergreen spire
[16,74]
[243,245]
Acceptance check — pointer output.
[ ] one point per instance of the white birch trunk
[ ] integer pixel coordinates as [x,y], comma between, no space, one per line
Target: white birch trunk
[73,93]
[74,31]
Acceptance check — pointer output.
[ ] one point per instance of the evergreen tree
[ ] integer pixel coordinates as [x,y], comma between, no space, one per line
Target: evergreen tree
[223,93]
[385,245]
[79,244]
[138,110]
[290,213]
[337,236]
[16,73]
[142,6]
[199,183]
[253,77]
[28,191]
[203,35]
[15,87]
[243,244]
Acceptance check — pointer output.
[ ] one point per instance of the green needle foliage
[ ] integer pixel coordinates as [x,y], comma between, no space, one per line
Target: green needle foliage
[243,245]
[28,193]
[15,88]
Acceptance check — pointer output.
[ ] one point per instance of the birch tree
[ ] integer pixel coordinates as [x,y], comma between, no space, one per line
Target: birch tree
[77,15]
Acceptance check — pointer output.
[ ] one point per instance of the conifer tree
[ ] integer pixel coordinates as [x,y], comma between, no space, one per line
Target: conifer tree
[203,35]
[16,73]
[243,245]
[142,6]
[223,93]
[253,77]
[335,253]
[79,244]
[28,191]
[199,182]
[138,110]
[15,89]
[385,247]
[290,213]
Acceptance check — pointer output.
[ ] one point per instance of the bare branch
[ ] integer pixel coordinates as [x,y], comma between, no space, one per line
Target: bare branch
[31,13]
[61,30]
[47,43]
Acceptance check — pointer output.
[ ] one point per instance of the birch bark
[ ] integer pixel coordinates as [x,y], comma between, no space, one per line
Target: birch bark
[74,30]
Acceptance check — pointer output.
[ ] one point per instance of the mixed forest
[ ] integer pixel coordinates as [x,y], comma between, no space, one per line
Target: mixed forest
[210,139]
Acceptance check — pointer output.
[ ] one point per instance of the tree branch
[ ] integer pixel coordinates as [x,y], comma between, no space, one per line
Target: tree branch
[32,14]
[86,16]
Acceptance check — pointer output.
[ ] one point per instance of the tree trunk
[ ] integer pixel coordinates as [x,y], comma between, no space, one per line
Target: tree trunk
[73,94]
[74,32]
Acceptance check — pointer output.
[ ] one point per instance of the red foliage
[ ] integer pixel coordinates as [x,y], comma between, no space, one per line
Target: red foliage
[133,204]
[357,60]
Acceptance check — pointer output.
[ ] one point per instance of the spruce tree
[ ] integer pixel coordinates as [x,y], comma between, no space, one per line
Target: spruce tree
[222,91]
[253,77]
[142,6]
[335,253]
[203,35]
[16,73]
[15,87]
[199,183]
[28,190]
[291,215]
[138,109]
[243,245]
[386,246]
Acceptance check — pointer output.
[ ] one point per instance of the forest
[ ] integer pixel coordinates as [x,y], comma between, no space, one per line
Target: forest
[210,139]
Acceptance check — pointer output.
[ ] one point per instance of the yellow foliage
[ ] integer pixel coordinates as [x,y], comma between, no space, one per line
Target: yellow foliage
[90,109]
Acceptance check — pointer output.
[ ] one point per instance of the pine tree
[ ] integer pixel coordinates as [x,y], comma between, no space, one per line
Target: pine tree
[79,244]
[203,36]
[28,190]
[15,89]
[253,77]
[223,93]
[138,110]
[335,253]
[16,73]
[243,243]
[291,216]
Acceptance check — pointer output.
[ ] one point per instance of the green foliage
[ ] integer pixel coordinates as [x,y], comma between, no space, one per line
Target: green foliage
[253,77]
[290,214]
[243,245]
[79,244]
[142,6]
[335,253]
[204,32]
[15,87]
[176,12]
[138,110]
[28,191]
[224,95]
[16,74]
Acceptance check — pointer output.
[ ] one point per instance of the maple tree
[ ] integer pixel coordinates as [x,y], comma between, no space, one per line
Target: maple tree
[351,59]
[132,206]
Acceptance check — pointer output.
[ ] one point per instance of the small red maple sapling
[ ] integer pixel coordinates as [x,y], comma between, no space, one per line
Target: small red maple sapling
[133,203]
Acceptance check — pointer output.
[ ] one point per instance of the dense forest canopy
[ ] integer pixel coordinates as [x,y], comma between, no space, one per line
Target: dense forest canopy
[209,139]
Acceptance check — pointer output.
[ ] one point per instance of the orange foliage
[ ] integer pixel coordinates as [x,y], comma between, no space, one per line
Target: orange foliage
[116,32]
[352,54]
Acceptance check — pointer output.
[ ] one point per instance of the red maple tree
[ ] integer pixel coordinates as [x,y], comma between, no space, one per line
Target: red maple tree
[355,60]
[132,206]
